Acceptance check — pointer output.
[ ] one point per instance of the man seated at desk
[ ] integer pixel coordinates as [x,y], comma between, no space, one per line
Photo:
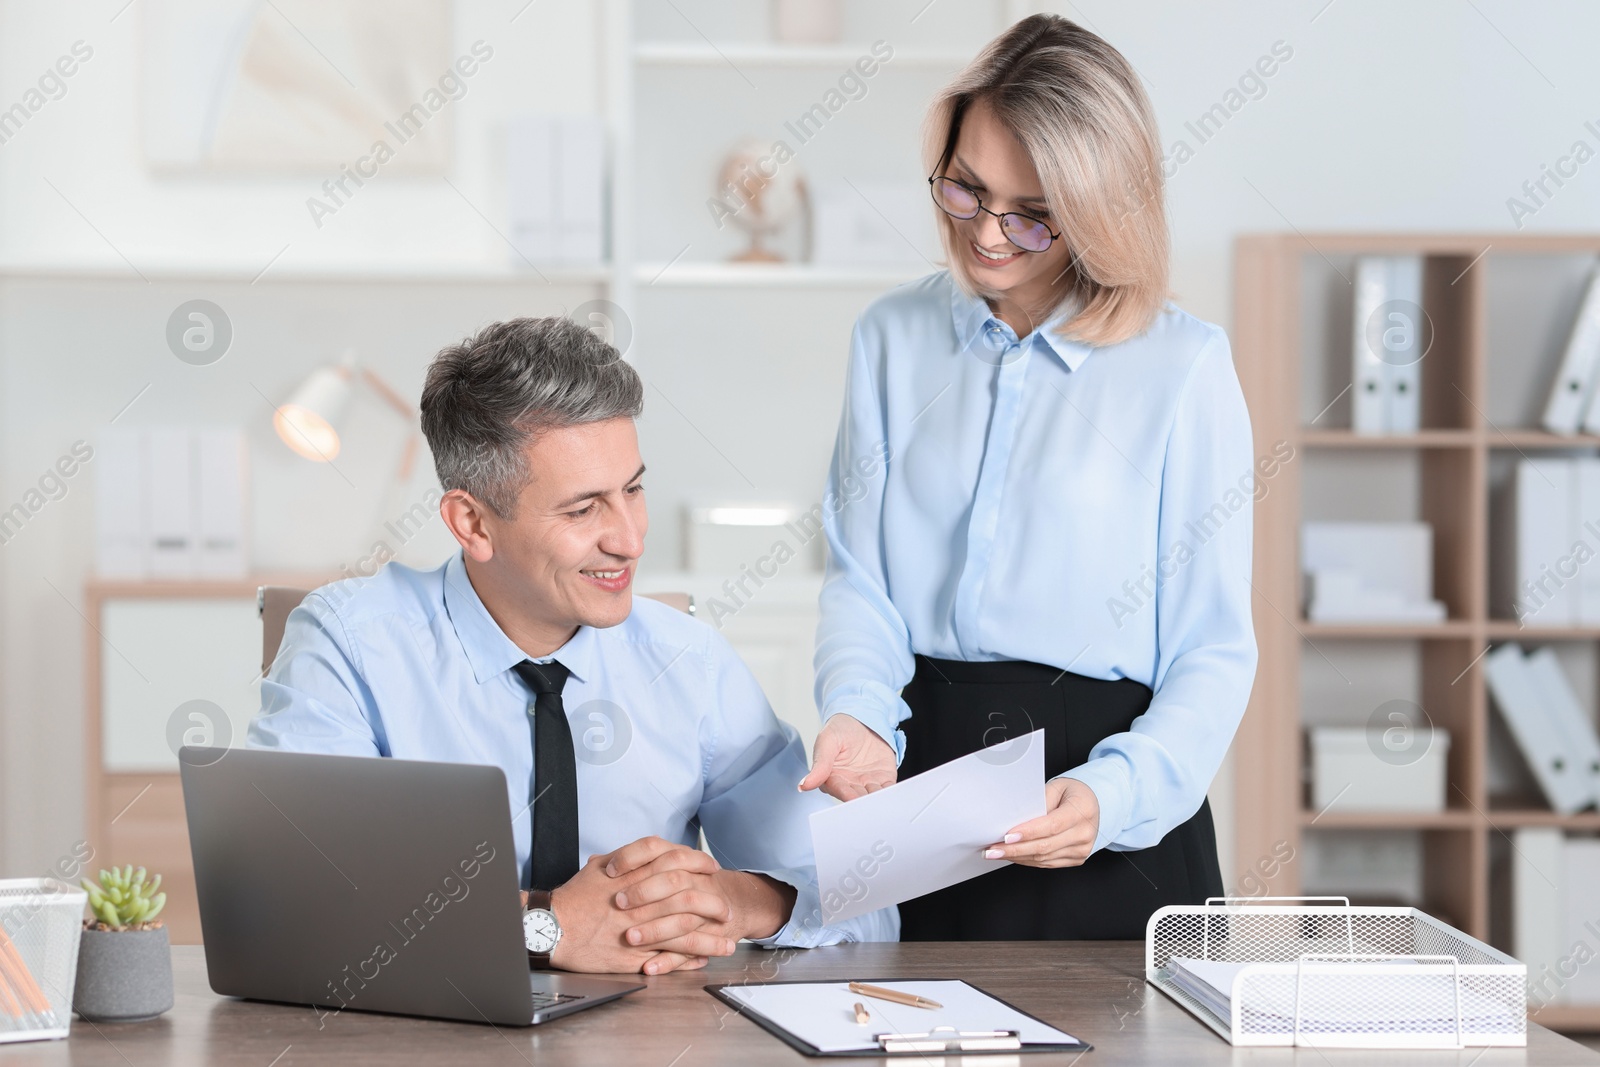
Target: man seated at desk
[529,634]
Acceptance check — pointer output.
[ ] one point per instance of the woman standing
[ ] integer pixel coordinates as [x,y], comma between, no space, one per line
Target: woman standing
[1060,535]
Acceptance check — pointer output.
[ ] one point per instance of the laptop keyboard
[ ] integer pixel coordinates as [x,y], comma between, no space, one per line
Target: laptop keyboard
[543,1000]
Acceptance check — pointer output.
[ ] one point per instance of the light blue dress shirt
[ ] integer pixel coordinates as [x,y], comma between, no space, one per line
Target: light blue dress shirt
[1044,500]
[671,731]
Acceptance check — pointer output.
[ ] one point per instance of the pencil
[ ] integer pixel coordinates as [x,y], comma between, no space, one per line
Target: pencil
[910,1000]
[8,1000]
[21,978]
[12,998]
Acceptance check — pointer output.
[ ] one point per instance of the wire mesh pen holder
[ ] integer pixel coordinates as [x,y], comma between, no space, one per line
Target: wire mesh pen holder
[41,921]
[1318,972]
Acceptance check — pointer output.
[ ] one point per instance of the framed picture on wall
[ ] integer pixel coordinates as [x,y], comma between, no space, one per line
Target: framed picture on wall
[297,86]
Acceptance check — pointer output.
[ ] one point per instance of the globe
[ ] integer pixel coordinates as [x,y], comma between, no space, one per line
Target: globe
[762,190]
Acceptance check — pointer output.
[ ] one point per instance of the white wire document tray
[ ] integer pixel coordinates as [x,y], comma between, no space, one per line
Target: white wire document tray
[1320,973]
[41,920]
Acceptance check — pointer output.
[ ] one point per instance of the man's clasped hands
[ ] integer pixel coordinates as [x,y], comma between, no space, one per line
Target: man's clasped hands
[655,906]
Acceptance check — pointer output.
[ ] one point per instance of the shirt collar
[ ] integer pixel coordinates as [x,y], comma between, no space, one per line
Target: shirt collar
[970,315]
[487,647]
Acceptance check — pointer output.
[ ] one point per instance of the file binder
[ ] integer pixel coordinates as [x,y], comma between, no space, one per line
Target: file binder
[1572,394]
[1389,337]
[169,502]
[1542,528]
[581,174]
[1580,872]
[1518,695]
[1538,908]
[1573,729]
[1369,373]
[1403,410]
[119,504]
[220,459]
[556,189]
[1585,519]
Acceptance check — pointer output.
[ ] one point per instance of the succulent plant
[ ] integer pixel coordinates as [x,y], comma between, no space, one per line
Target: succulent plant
[123,898]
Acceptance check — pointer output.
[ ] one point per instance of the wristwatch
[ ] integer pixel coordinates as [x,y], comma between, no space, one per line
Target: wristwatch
[541,930]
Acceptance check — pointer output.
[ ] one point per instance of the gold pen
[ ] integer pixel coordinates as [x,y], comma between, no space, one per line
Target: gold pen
[861,1013]
[910,1000]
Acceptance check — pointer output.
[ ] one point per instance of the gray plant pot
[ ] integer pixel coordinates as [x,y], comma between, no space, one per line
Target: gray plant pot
[123,975]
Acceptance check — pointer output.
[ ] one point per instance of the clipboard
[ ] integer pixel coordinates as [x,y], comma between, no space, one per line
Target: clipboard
[897,1030]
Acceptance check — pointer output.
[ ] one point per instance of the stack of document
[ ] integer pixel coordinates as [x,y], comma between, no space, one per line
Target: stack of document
[1208,981]
[1369,572]
[1428,1002]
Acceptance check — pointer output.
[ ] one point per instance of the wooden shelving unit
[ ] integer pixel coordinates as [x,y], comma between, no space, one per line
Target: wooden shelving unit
[1450,463]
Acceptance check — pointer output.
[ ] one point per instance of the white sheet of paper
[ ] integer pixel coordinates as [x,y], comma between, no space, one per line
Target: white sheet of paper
[823,1013]
[928,831]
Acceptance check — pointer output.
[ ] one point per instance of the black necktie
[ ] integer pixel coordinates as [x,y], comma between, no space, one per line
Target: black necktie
[554,856]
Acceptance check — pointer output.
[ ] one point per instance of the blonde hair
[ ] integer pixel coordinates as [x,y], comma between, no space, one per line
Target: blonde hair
[1077,108]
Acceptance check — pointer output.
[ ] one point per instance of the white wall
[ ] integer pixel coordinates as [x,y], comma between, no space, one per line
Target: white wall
[74,351]
[87,145]
[1423,116]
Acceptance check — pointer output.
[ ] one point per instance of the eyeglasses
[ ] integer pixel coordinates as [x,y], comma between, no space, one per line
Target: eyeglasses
[962,202]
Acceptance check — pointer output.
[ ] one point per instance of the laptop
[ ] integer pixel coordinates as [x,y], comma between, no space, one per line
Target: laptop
[362,884]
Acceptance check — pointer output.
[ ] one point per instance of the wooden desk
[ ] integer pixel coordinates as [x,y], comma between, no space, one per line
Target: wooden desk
[1094,990]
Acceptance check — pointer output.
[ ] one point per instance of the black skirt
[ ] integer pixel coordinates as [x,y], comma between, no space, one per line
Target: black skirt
[959,707]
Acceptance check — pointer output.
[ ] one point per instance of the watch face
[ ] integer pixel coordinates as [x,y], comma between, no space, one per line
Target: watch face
[540,930]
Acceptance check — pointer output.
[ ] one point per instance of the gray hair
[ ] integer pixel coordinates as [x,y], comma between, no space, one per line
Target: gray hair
[487,396]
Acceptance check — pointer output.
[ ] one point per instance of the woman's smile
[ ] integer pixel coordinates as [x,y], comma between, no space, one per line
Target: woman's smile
[991,260]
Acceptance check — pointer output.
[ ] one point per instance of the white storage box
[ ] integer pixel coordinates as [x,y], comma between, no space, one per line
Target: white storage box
[1348,774]
[41,920]
[1369,572]
[1328,975]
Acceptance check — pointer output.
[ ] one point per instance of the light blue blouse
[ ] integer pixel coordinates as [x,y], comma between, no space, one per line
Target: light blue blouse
[1044,500]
